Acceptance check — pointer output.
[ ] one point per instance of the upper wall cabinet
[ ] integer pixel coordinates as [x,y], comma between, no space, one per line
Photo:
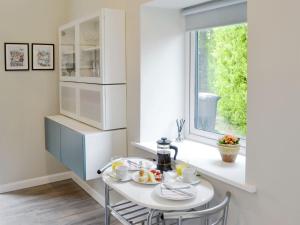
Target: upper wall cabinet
[90,49]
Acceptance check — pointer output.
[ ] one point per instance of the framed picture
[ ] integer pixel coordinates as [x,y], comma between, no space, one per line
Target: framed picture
[16,56]
[42,56]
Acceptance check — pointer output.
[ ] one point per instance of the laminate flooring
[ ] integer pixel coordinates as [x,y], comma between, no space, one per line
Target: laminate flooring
[59,203]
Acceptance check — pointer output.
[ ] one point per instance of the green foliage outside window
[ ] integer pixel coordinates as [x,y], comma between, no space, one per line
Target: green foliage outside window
[227,72]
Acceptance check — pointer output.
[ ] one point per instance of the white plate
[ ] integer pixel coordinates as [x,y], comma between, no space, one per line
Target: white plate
[147,164]
[113,176]
[174,194]
[135,177]
[195,181]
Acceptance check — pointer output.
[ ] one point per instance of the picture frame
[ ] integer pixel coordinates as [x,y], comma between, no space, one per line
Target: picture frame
[16,56]
[42,56]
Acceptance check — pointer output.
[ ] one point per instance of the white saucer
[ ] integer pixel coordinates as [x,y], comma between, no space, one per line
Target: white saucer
[195,181]
[113,176]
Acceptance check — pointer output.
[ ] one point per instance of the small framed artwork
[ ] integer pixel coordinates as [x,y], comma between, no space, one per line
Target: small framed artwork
[42,56]
[16,56]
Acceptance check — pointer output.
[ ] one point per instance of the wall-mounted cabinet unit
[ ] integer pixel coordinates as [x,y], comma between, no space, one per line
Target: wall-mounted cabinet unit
[92,49]
[101,106]
[82,148]
[92,90]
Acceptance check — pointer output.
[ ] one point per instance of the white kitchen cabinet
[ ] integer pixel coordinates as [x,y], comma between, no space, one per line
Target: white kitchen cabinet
[92,49]
[101,106]
[82,148]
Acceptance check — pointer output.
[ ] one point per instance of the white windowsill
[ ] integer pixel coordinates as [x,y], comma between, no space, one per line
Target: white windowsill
[207,159]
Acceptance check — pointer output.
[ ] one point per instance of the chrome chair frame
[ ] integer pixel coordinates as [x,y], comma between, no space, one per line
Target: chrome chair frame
[206,213]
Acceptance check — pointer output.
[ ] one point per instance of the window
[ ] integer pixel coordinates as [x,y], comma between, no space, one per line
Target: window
[218,81]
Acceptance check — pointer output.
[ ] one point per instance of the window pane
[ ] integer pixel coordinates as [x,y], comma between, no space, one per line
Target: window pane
[221,80]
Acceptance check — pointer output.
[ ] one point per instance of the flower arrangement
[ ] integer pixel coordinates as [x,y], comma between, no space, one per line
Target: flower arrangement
[229,147]
[228,139]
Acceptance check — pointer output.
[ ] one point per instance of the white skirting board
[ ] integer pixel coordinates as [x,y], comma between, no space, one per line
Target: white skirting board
[50,179]
[35,182]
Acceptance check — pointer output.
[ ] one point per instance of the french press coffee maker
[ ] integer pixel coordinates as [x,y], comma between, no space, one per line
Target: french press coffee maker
[164,162]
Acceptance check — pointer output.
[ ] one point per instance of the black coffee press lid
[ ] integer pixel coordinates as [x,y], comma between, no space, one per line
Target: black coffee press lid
[164,141]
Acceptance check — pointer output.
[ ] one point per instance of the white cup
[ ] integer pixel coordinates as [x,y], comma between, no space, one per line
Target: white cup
[121,172]
[189,174]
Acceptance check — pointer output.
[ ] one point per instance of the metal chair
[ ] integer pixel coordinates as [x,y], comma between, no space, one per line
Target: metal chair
[219,211]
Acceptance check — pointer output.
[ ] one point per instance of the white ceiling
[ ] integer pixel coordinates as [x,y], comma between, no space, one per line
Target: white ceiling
[174,4]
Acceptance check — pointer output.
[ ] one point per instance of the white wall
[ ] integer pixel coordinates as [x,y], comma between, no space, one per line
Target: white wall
[273,118]
[272,154]
[162,72]
[26,97]
[273,115]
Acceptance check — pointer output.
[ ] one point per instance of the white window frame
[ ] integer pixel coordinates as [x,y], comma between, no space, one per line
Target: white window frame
[190,131]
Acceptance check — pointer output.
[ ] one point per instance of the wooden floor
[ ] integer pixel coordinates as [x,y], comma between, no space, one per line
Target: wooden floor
[60,203]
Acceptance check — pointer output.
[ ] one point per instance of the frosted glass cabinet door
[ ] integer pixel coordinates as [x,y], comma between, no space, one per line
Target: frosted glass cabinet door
[68,53]
[102,106]
[90,51]
[68,99]
[91,104]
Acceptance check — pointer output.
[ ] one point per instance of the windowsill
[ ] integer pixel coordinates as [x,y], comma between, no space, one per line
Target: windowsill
[207,159]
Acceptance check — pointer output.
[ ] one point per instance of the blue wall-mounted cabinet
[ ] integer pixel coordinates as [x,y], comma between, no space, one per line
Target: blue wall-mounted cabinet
[81,148]
[72,150]
[52,133]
